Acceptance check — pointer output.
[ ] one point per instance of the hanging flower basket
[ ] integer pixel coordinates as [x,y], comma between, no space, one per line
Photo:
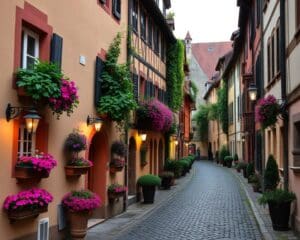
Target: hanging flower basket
[155,116]
[77,167]
[116,191]
[27,204]
[38,166]
[75,143]
[266,111]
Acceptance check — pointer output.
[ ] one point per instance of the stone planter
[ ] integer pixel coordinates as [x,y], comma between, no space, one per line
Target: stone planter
[17,215]
[76,170]
[115,195]
[280,215]
[78,223]
[166,182]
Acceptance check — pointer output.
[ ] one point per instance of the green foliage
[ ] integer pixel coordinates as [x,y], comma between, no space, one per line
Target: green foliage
[271,175]
[118,99]
[201,118]
[194,91]
[277,196]
[250,169]
[223,153]
[175,75]
[242,165]
[173,166]
[149,180]
[185,164]
[223,106]
[235,157]
[213,111]
[228,159]
[170,15]
[41,81]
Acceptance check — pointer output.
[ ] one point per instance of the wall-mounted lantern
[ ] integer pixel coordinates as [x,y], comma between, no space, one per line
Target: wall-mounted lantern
[31,117]
[143,136]
[96,122]
[252,90]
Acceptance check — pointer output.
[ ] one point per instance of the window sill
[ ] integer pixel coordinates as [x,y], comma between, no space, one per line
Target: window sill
[295,169]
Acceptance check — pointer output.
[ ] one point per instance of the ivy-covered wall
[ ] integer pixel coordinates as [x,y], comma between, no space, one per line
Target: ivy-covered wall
[223,106]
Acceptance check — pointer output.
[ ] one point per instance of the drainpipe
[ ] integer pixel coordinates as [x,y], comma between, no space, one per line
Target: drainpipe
[283,95]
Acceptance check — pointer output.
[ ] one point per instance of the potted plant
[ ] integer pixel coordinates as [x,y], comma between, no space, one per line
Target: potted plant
[240,166]
[255,182]
[148,184]
[38,166]
[185,166]
[279,202]
[118,152]
[236,159]
[77,166]
[266,111]
[228,160]
[223,153]
[250,171]
[116,191]
[271,174]
[166,179]
[27,204]
[75,143]
[79,206]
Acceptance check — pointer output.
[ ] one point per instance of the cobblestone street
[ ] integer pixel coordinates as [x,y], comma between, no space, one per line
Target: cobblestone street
[212,206]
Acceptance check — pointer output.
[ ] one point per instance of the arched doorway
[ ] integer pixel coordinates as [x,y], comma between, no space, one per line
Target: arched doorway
[99,155]
[161,155]
[155,157]
[132,167]
[151,157]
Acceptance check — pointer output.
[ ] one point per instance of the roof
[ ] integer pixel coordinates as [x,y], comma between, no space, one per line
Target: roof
[208,54]
[188,36]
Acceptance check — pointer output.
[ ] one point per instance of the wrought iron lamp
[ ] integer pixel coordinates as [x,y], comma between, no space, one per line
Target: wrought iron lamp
[97,122]
[252,90]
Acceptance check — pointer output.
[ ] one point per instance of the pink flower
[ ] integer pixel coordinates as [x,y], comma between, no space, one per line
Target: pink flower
[266,111]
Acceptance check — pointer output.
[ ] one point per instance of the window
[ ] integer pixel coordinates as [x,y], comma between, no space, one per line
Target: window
[135,16]
[230,113]
[277,51]
[163,49]
[26,142]
[30,48]
[150,32]
[117,9]
[258,12]
[156,39]
[273,57]
[269,61]
[143,25]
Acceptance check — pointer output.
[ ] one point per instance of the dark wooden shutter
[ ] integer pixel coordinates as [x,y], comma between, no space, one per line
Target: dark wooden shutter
[56,49]
[136,86]
[98,87]
[117,9]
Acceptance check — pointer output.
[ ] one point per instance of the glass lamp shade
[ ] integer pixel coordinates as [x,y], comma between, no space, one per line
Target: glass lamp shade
[32,121]
[252,90]
[98,126]
[176,142]
[143,136]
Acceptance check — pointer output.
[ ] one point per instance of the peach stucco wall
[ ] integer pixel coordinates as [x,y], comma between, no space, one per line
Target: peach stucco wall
[86,29]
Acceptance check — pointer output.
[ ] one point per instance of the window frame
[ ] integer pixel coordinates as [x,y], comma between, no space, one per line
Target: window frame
[117,13]
[31,138]
[156,39]
[297,9]
[150,32]
[143,28]
[24,48]
[135,16]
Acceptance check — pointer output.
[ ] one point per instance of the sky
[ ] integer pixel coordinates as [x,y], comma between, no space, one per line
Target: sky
[207,20]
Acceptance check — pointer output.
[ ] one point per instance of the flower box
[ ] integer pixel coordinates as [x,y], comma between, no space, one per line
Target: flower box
[29,173]
[115,195]
[17,215]
[114,168]
[76,170]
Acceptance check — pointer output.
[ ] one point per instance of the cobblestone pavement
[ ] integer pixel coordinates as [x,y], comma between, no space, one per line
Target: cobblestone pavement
[212,206]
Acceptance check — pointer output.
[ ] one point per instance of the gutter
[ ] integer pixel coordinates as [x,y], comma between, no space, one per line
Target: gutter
[283,95]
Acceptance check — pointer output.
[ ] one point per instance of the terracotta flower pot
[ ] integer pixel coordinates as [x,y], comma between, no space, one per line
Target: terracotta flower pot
[76,170]
[78,223]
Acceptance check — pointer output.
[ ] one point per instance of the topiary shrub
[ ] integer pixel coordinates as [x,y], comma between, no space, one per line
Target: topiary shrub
[235,158]
[185,166]
[271,175]
[250,169]
[228,160]
[149,180]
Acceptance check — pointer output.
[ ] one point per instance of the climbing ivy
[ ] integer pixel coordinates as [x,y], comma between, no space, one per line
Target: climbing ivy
[201,118]
[223,106]
[213,113]
[117,99]
[175,74]
[194,91]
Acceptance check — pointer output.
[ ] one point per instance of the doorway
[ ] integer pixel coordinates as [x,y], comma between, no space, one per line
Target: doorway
[132,167]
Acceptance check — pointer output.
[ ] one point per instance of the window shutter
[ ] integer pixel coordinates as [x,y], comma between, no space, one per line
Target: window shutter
[98,87]
[56,49]
[42,133]
[117,9]
[136,87]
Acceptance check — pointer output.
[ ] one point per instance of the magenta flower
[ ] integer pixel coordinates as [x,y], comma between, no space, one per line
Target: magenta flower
[28,199]
[41,162]
[266,111]
[68,99]
[117,188]
[79,201]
